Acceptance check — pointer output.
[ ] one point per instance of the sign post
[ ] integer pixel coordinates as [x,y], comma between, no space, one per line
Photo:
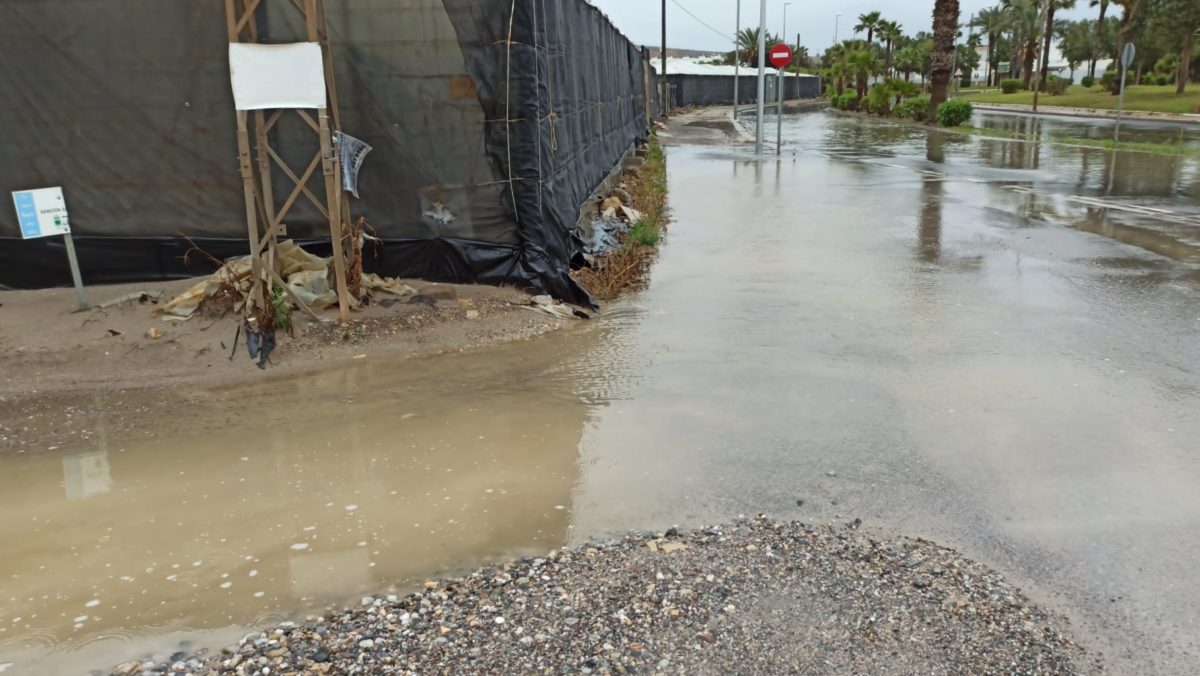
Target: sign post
[1127,56]
[762,77]
[781,56]
[43,213]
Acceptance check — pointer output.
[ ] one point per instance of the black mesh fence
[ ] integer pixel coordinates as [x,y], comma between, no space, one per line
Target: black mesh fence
[491,122]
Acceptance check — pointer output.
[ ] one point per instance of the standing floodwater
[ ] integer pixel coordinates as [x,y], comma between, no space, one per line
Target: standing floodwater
[968,339]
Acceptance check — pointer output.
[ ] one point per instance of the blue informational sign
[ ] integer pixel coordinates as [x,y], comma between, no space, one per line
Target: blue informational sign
[42,213]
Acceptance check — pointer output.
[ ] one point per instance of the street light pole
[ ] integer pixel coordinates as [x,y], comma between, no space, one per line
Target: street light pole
[737,59]
[666,88]
[836,19]
[762,76]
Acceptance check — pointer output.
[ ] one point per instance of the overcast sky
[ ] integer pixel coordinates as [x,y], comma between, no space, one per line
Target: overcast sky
[813,19]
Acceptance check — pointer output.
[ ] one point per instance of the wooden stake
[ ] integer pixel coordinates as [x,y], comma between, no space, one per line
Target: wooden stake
[333,193]
[247,171]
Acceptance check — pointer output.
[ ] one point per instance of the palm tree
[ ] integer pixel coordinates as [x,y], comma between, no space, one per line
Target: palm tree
[1025,23]
[993,21]
[945,35]
[862,64]
[890,32]
[748,45]
[869,22]
[1103,5]
[1051,7]
[909,60]
[1126,32]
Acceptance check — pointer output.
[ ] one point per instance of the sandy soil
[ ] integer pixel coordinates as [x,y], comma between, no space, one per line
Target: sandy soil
[55,360]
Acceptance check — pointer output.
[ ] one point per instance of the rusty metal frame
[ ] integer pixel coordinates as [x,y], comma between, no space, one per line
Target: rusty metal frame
[256,175]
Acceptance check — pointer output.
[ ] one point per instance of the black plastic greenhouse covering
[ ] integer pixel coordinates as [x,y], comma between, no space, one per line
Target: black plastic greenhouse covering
[709,90]
[492,122]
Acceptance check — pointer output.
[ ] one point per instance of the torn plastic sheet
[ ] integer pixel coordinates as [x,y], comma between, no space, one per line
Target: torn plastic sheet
[352,152]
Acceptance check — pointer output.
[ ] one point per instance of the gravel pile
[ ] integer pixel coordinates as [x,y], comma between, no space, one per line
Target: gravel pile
[755,597]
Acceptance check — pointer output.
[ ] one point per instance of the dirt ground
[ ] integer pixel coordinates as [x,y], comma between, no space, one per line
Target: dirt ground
[58,365]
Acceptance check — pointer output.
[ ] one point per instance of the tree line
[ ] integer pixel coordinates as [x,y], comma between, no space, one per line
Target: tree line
[1164,31]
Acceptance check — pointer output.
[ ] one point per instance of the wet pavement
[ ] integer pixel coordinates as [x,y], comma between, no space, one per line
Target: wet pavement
[985,342]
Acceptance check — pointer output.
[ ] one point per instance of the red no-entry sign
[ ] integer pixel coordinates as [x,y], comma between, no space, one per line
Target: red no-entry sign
[781,55]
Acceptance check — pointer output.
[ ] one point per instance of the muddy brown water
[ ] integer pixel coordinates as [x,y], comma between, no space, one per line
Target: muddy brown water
[965,339]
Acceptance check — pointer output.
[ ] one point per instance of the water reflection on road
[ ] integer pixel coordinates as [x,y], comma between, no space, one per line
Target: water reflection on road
[968,339]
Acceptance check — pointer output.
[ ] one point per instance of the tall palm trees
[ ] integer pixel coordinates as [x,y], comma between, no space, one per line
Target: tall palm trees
[1103,5]
[1025,24]
[1051,7]
[993,22]
[869,22]
[862,64]
[1126,31]
[891,33]
[945,35]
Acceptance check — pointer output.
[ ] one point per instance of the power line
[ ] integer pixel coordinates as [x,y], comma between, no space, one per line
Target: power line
[700,21]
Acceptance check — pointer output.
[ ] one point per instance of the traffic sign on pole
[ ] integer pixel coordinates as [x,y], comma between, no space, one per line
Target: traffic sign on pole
[1128,55]
[781,55]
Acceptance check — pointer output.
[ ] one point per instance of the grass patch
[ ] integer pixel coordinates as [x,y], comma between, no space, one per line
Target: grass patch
[643,233]
[1145,98]
[1169,149]
[626,267]
[650,196]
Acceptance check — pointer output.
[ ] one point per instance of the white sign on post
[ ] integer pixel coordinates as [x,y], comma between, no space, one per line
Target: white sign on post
[41,213]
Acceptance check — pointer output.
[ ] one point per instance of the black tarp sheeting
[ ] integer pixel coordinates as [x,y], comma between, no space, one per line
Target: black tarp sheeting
[491,121]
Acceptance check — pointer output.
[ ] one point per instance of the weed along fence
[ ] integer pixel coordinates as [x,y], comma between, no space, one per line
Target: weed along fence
[490,123]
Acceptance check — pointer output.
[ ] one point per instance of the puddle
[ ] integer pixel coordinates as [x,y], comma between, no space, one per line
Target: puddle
[928,332]
[325,493]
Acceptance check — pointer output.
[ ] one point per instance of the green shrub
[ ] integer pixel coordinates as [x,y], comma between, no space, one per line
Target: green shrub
[879,100]
[1149,79]
[847,101]
[1011,86]
[1110,76]
[1057,86]
[1164,80]
[954,113]
[1088,81]
[915,108]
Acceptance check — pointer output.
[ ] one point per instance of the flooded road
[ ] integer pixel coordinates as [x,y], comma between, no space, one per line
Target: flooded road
[973,340]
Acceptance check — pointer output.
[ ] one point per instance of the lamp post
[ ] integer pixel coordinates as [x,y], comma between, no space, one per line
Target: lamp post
[737,59]
[666,88]
[836,19]
[762,76]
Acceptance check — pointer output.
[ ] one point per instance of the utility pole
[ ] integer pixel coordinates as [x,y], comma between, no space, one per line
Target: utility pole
[762,75]
[737,59]
[665,87]
[836,19]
